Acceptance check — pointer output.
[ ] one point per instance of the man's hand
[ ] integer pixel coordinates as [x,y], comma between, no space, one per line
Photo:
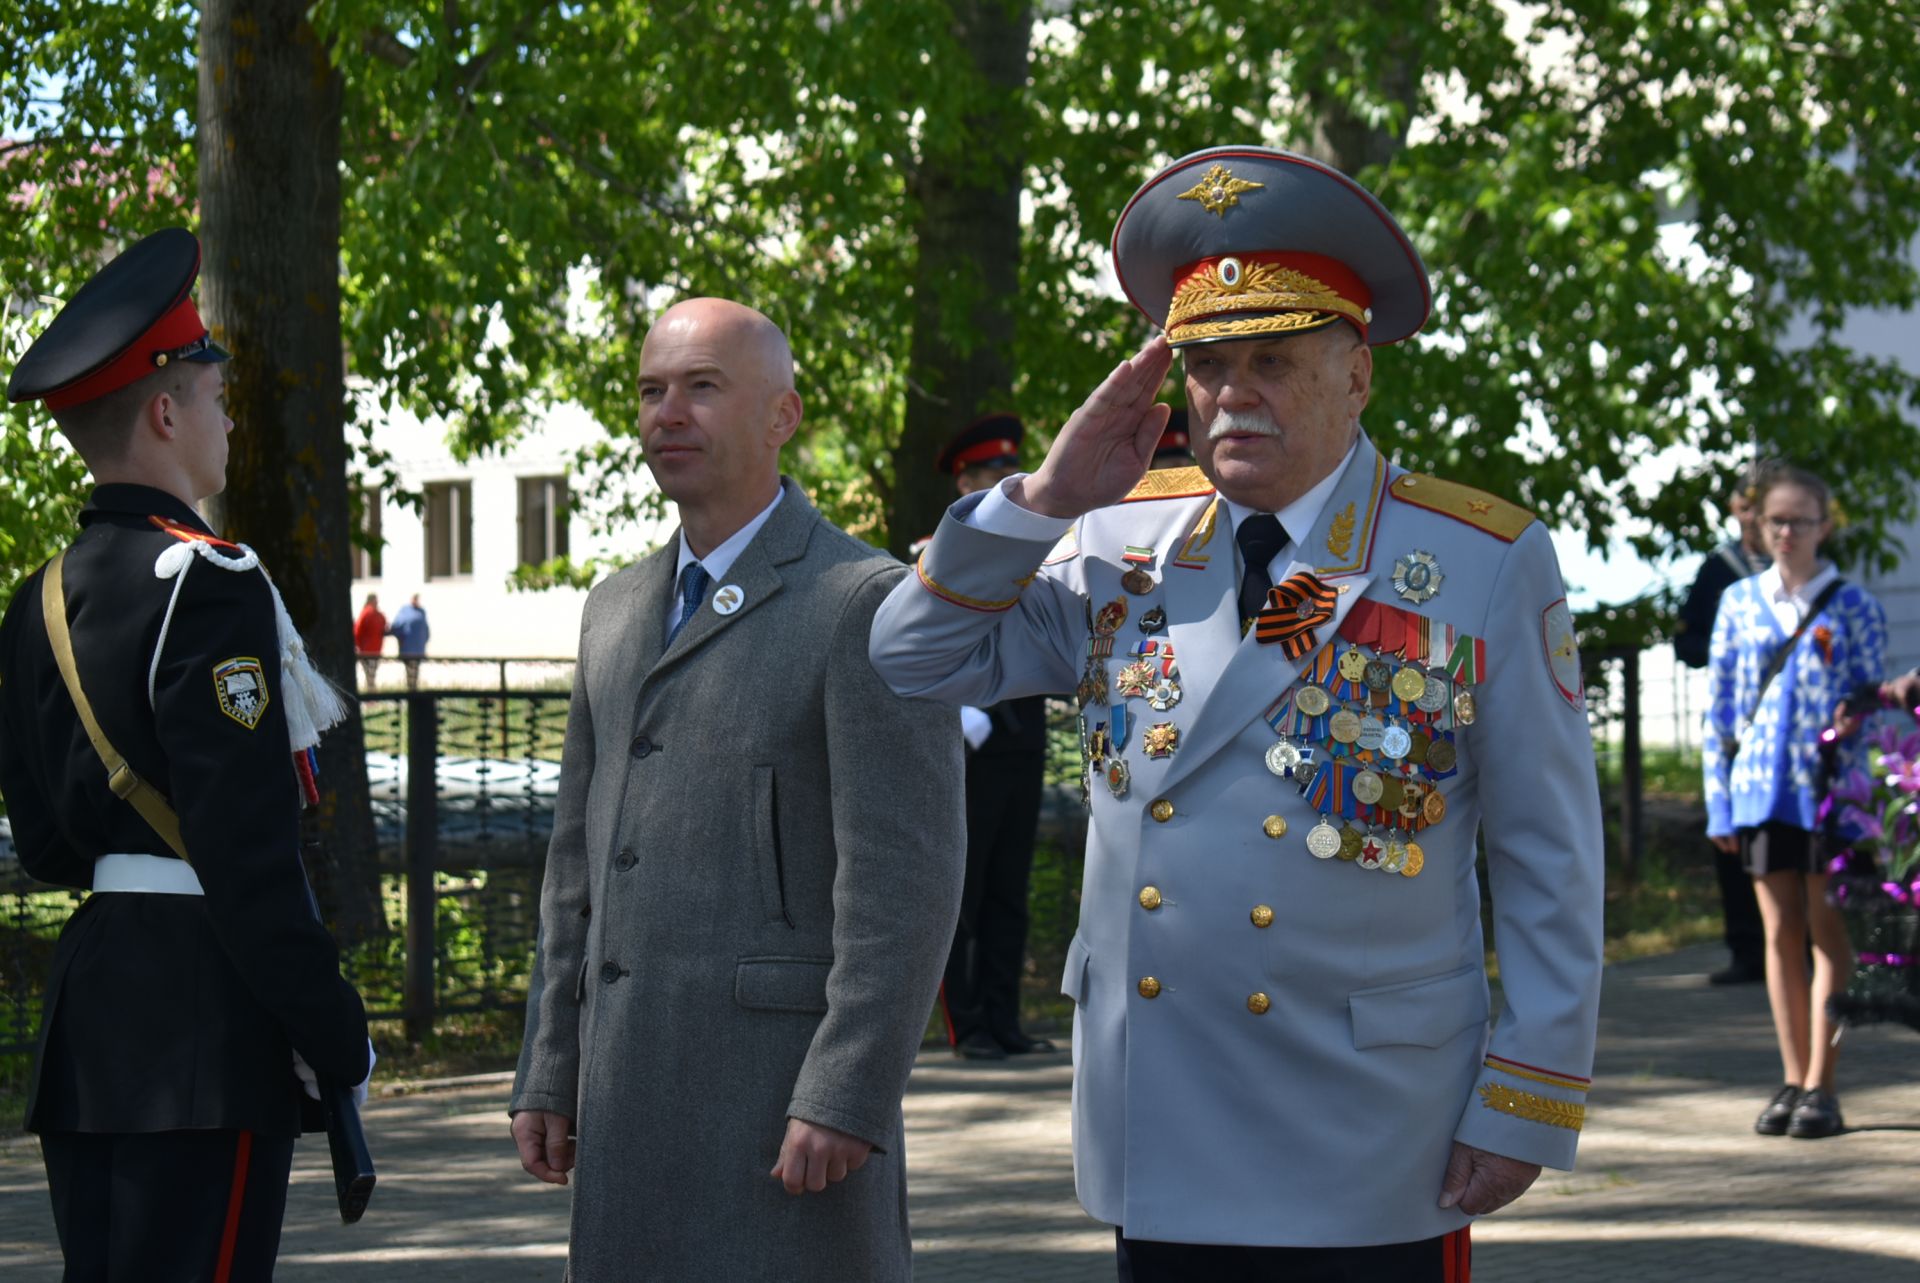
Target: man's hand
[813,1157]
[1481,1182]
[1726,842]
[1107,444]
[1903,692]
[546,1145]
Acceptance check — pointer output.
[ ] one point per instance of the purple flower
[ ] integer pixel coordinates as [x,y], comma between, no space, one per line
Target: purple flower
[1856,786]
[1903,773]
[1864,825]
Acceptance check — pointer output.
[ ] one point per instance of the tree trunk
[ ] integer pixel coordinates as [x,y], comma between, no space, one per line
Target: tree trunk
[269,149]
[967,277]
[1349,143]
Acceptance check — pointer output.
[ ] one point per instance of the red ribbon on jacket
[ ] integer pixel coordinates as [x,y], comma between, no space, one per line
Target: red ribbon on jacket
[1295,607]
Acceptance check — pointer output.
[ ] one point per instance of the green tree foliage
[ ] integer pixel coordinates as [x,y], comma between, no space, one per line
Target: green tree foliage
[504,160]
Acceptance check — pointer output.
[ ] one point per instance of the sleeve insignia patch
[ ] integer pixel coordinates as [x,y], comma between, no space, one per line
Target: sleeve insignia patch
[1563,653]
[241,687]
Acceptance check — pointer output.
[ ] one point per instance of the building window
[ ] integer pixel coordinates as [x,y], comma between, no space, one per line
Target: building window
[367,545]
[543,519]
[449,529]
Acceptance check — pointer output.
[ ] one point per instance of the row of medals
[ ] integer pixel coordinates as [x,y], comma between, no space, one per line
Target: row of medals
[1153,677]
[1406,785]
[1401,765]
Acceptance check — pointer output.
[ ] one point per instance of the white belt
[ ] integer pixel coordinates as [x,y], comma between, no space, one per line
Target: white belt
[152,874]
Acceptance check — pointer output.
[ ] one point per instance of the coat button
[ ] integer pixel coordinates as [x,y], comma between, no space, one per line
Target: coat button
[1161,810]
[1262,915]
[1258,1003]
[1275,826]
[641,746]
[1149,987]
[624,861]
[609,971]
[1149,898]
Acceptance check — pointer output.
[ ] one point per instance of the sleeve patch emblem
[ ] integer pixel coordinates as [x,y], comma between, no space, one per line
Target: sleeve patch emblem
[241,687]
[1563,653]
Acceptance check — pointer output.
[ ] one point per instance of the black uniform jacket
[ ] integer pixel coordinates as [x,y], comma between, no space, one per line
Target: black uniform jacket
[167,1011]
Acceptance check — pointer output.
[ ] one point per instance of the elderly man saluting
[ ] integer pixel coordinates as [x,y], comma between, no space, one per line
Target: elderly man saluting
[755,867]
[1307,680]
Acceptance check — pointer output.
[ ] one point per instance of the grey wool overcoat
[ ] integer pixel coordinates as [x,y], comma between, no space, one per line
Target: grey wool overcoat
[753,880]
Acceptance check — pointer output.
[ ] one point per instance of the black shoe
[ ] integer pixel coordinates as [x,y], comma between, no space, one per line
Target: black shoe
[1739,973]
[979,1045]
[1773,1119]
[1817,1115]
[1021,1044]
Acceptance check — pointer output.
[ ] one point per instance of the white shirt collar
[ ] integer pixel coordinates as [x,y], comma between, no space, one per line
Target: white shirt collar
[718,562]
[1299,517]
[1776,591]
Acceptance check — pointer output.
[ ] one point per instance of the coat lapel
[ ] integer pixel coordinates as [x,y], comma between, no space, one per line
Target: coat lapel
[755,575]
[1255,674]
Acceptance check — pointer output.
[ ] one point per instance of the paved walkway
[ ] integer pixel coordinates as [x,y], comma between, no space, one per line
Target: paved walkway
[1673,1184]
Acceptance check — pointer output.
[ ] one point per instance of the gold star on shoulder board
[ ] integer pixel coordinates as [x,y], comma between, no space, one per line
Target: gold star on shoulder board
[1219,191]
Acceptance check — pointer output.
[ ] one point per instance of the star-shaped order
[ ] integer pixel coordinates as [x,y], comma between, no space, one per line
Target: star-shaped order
[1219,191]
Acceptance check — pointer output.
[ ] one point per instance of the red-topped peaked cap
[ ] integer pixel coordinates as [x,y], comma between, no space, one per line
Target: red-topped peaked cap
[134,317]
[1247,242]
[992,440]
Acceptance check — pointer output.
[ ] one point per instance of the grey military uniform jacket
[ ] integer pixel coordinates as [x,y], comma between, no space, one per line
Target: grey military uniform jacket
[1269,1047]
[753,880]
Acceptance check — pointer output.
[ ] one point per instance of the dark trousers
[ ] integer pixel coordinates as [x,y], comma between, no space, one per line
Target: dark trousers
[168,1207]
[1746,937]
[1447,1259]
[981,988]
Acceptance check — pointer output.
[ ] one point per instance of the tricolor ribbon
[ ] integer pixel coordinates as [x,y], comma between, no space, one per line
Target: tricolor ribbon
[1137,555]
[1295,607]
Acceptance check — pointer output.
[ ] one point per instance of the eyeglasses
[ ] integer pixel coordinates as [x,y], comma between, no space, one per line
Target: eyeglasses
[1791,525]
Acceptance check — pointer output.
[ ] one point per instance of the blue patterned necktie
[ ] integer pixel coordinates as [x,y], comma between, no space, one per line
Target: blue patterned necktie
[693,586]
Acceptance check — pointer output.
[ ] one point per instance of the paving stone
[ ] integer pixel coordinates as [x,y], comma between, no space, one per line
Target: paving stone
[1673,1184]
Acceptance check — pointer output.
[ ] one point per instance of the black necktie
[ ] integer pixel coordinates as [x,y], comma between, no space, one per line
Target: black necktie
[1261,537]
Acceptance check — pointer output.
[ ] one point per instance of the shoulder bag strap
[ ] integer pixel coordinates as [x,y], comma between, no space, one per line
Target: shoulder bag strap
[127,785]
[1780,656]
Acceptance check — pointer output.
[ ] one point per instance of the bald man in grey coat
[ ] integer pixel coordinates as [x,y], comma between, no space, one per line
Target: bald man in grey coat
[755,867]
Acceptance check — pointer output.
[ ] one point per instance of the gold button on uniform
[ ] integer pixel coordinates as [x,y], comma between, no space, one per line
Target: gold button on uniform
[1275,826]
[1262,916]
[1258,1003]
[1149,898]
[1161,810]
[1149,987]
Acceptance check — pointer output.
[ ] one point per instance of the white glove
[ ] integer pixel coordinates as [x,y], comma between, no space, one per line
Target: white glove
[310,1083]
[304,1072]
[360,1092]
[975,725]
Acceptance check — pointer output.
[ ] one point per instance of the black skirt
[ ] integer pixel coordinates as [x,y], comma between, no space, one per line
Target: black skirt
[1774,847]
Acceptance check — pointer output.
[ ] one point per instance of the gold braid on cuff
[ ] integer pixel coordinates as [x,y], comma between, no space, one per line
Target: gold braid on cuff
[1532,1108]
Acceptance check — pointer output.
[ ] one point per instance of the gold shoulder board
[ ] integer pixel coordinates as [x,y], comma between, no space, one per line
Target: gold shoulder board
[1170,483]
[1477,508]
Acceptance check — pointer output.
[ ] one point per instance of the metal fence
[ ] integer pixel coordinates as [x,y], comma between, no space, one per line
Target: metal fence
[462,786]
[463,778]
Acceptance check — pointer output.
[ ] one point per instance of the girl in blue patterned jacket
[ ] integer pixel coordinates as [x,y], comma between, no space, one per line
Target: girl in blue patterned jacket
[1762,753]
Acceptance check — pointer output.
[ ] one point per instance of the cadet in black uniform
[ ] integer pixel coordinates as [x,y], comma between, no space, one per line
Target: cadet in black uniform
[164,1090]
[1005,772]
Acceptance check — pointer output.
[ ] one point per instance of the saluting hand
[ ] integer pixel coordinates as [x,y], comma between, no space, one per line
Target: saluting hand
[1481,1182]
[1107,444]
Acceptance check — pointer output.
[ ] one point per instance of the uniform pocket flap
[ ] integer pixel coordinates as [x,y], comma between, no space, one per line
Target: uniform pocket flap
[1073,978]
[1419,1013]
[782,984]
